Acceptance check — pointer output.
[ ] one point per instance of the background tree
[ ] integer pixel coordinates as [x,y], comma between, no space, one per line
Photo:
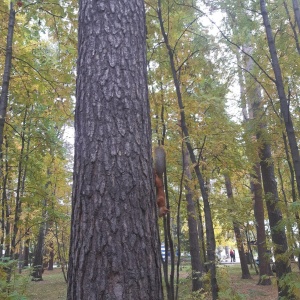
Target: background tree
[39,109]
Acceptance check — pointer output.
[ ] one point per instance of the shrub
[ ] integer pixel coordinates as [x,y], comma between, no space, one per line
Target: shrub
[12,285]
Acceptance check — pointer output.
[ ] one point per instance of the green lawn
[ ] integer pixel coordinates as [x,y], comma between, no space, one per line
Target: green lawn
[231,286]
[53,287]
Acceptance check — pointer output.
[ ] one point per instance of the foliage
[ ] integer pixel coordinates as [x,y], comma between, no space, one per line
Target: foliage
[226,291]
[13,286]
[291,281]
[36,173]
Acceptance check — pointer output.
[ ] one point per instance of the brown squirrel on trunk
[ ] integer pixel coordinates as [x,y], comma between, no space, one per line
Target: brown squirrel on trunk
[159,169]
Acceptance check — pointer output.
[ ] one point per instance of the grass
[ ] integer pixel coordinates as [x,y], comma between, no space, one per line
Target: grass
[229,276]
[231,285]
[53,287]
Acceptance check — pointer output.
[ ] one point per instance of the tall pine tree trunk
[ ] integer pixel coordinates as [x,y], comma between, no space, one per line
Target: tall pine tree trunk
[114,251]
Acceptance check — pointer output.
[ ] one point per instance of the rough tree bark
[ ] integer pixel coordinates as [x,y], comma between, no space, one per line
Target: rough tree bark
[114,252]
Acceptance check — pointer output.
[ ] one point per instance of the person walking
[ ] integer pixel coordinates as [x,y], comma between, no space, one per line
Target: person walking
[231,255]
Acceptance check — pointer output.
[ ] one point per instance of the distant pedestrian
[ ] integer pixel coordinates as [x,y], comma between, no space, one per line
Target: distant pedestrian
[231,253]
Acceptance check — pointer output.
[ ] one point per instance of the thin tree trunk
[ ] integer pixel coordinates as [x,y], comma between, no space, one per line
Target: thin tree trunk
[256,187]
[39,251]
[3,108]
[37,273]
[292,173]
[21,258]
[178,220]
[270,189]
[210,236]
[293,188]
[275,218]
[20,188]
[251,99]
[51,257]
[252,261]
[201,235]
[5,225]
[165,262]
[26,253]
[297,13]
[259,210]
[238,236]
[170,244]
[292,25]
[6,205]
[281,94]
[169,247]
[289,224]
[61,254]
[6,73]
[197,266]
[168,240]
